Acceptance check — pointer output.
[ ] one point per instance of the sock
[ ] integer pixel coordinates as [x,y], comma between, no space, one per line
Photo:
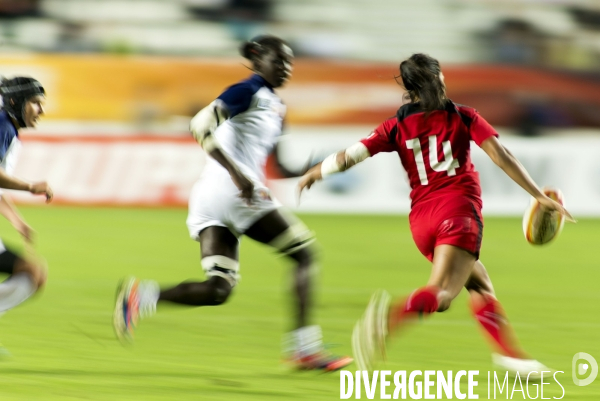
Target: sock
[306,341]
[14,290]
[421,301]
[148,292]
[491,317]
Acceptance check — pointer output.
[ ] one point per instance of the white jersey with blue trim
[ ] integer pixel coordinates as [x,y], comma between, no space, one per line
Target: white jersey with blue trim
[254,126]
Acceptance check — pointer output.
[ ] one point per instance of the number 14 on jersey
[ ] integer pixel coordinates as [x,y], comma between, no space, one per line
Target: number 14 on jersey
[449,164]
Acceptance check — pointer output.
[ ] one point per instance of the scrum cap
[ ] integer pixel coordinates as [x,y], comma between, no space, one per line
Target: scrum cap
[15,93]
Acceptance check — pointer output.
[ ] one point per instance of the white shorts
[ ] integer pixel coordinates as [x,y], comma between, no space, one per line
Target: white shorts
[215,201]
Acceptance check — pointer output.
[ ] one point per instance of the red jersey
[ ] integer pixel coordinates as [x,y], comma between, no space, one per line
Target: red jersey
[434,149]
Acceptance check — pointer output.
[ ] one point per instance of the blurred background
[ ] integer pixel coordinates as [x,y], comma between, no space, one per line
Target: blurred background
[124,77]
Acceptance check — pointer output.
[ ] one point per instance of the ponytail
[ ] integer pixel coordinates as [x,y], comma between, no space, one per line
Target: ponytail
[250,50]
[421,78]
[259,45]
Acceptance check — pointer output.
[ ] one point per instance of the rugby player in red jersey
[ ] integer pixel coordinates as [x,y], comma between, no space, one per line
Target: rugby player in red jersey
[432,136]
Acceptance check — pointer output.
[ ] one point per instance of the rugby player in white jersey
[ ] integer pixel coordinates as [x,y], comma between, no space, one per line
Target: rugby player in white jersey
[21,107]
[239,130]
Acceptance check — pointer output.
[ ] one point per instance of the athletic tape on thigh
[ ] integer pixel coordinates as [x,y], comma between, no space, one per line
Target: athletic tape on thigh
[222,266]
[296,237]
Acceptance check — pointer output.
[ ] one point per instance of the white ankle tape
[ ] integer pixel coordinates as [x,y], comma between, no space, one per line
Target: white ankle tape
[308,340]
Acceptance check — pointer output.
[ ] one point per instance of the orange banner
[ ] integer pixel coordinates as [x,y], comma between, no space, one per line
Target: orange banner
[154,89]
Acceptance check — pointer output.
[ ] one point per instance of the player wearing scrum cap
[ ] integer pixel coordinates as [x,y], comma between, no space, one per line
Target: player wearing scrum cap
[432,135]
[22,106]
[239,130]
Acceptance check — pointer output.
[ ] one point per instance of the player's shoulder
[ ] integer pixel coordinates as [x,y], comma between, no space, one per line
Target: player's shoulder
[467,113]
[249,86]
[6,125]
[8,135]
[410,109]
[388,126]
[391,121]
[3,118]
[407,110]
[466,110]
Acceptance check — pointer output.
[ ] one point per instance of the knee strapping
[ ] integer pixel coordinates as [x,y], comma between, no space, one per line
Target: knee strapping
[222,266]
[295,238]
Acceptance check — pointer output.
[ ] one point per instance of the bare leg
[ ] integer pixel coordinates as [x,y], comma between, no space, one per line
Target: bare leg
[452,267]
[304,346]
[35,271]
[268,229]
[26,277]
[216,290]
[138,299]
[479,282]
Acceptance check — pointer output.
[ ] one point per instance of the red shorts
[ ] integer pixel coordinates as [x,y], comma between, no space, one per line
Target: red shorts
[447,221]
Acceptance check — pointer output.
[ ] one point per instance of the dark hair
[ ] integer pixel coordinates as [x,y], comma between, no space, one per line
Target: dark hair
[259,45]
[16,92]
[421,78]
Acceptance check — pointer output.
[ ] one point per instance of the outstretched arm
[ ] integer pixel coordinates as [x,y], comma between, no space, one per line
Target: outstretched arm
[334,163]
[10,213]
[8,210]
[515,170]
[9,182]
[203,127]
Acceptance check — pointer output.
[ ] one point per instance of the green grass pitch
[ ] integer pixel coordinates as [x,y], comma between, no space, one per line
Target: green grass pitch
[63,347]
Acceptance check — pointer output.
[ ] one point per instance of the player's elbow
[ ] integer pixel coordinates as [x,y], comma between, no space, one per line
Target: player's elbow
[201,121]
[208,119]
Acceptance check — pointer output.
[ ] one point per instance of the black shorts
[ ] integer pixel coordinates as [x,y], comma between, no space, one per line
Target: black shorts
[8,260]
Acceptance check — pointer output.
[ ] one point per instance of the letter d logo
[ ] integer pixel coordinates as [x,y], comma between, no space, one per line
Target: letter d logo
[582,368]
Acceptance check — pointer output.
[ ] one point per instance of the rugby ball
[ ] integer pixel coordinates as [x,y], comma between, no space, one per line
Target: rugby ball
[539,226]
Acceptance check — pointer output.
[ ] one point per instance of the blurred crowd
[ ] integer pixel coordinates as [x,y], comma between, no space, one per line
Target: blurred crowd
[557,36]
[554,33]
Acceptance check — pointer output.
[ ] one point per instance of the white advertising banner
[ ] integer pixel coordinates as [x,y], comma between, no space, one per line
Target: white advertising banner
[379,185]
[161,171]
[112,170]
